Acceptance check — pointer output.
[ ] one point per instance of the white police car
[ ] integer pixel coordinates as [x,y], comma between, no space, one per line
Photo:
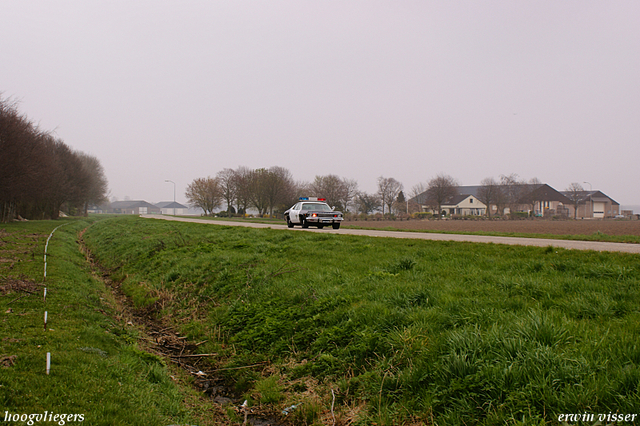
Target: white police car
[313,211]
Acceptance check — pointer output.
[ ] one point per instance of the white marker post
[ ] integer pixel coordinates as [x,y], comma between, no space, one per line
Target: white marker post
[45,320]
[46,246]
[48,362]
[45,296]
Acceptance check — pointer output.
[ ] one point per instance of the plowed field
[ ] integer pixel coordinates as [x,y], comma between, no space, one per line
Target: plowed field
[533,226]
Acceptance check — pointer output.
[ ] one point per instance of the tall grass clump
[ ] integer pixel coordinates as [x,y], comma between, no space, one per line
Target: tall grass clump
[392,331]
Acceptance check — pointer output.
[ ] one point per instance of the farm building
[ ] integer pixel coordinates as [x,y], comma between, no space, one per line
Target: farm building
[173,208]
[133,207]
[535,199]
[461,204]
[593,204]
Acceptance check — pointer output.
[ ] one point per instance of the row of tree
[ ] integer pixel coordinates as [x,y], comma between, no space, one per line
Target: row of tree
[265,190]
[40,174]
[274,190]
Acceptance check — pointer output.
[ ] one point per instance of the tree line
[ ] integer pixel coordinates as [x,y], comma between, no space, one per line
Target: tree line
[273,190]
[40,175]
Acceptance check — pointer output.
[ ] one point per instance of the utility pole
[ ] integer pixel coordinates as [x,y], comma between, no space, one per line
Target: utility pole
[174,195]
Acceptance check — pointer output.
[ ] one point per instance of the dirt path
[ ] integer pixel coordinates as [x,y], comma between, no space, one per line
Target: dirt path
[538,242]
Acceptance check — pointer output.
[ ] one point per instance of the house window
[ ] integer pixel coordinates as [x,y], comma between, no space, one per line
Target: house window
[471,200]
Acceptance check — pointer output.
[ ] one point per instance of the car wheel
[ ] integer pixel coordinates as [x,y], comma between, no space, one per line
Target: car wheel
[336,226]
[304,223]
[289,223]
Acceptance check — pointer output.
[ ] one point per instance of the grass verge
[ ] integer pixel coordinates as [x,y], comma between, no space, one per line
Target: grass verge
[98,369]
[384,331]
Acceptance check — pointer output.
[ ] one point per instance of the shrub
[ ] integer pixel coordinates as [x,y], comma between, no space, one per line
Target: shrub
[518,215]
[422,215]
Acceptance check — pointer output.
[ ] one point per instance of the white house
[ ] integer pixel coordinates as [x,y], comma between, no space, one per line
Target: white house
[463,205]
[173,208]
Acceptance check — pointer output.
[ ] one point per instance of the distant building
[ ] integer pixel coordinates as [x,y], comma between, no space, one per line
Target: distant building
[543,200]
[594,204]
[462,204]
[536,199]
[133,207]
[172,208]
[94,208]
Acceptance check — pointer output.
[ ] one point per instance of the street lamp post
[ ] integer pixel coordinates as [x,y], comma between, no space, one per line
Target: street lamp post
[590,197]
[174,195]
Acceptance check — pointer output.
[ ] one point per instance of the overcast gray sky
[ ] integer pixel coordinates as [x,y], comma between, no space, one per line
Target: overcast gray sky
[406,89]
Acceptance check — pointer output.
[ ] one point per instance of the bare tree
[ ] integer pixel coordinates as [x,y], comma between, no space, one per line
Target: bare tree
[330,187]
[302,189]
[575,192]
[64,183]
[439,189]
[415,196]
[338,191]
[271,188]
[204,193]
[388,189]
[24,163]
[39,173]
[279,187]
[367,203]
[96,182]
[227,179]
[490,193]
[351,190]
[513,189]
[243,183]
[257,184]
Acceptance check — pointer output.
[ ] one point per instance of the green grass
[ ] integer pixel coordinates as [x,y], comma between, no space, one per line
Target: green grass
[276,221]
[97,368]
[402,331]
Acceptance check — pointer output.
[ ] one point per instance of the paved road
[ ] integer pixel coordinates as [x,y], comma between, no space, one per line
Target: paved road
[539,242]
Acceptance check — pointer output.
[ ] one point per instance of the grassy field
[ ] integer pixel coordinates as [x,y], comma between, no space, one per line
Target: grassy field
[99,372]
[381,331]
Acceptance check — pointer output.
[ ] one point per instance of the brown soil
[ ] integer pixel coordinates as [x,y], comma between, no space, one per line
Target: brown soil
[527,226]
[13,285]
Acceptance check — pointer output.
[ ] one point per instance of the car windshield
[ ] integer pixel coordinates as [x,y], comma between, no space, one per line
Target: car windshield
[316,207]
